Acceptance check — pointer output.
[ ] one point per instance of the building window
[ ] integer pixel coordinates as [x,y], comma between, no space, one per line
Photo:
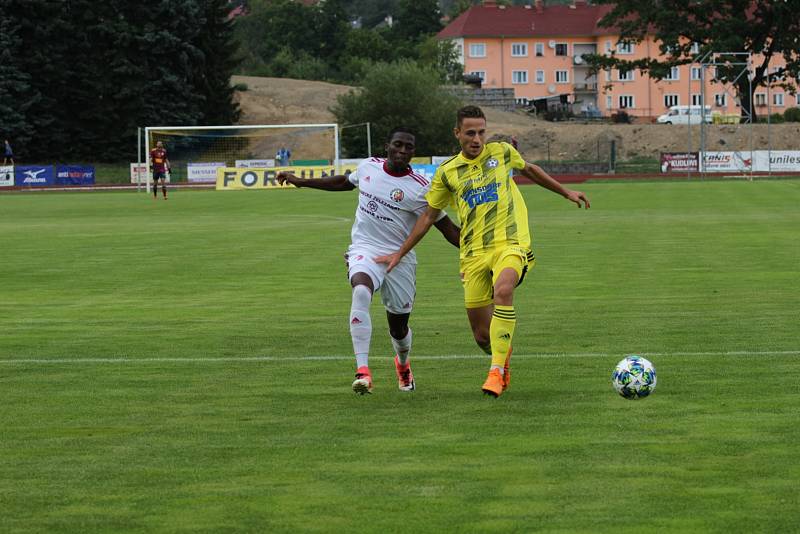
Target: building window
[519,50]
[777,99]
[477,50]
[480,74]
[609,102]
[539,76]
[671,100]
[519,76]
[695,73]
[761,99]
[608,47]
[695,48]
[561,49]
[626,101]
[721,100]
[697,100]
[539,49]
[625,76]
[562,76]
[625,48]
[797,99]
[673,74]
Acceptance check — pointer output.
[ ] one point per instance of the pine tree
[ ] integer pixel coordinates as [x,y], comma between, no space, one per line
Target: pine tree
[16,92]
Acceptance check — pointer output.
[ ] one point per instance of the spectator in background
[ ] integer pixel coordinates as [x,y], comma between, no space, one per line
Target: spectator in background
[8,154]
[287,155]
[279,158]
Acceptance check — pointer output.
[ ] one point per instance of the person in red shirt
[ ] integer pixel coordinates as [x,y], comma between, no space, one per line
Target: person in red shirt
[159,164]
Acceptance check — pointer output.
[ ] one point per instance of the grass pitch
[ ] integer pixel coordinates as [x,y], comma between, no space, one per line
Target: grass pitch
[185,366]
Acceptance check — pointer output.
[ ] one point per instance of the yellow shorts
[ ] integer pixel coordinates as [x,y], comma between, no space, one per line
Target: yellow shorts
[479,273]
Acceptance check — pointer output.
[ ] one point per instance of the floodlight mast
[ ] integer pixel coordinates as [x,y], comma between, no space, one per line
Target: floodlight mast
[719,59]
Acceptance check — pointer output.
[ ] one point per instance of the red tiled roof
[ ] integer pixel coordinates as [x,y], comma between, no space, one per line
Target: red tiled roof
[521,21]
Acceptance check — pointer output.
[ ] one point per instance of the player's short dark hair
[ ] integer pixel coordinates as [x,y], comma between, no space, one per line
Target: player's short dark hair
[469,112]
[400,129]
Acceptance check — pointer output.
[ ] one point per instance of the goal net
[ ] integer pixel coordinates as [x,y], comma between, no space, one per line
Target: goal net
[194,152]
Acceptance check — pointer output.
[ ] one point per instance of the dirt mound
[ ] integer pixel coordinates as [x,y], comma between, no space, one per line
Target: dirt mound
[286,101]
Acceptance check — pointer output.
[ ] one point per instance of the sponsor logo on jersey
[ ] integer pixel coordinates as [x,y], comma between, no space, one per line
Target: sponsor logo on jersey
[366,178]
[372,206]
[397,195]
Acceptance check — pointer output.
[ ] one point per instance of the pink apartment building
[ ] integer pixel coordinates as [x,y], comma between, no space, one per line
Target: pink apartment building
[536,50]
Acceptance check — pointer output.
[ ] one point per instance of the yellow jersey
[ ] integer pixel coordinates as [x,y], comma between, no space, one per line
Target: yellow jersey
[490,206]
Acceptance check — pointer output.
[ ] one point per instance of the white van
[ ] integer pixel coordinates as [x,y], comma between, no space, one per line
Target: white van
[685,115]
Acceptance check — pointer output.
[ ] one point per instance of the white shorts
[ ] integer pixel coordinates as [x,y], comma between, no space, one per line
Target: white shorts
[398,288]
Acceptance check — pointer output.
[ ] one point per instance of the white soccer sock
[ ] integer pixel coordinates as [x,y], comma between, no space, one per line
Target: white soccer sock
[402,347]
[361,324]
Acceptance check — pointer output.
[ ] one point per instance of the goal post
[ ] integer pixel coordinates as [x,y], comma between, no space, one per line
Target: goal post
[194,151]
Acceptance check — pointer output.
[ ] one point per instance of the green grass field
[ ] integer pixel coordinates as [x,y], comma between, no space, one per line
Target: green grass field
[186,366]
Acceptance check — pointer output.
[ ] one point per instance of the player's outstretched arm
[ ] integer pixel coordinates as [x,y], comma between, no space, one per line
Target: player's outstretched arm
[537,175]
[424,223]
[449,230]
[329,183]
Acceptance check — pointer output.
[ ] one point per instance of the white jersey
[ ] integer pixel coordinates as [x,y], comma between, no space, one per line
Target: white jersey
[388,206]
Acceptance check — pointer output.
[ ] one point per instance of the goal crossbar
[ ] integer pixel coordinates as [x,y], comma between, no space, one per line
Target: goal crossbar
[175,130]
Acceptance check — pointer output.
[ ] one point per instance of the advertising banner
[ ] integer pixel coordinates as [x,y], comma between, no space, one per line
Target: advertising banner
[232,178]
[727,161]
[203,172]
[680,162]
[33,175]
[776,161]
[425,170]
[75,175]
[138,173]
[6,176]
[255,163]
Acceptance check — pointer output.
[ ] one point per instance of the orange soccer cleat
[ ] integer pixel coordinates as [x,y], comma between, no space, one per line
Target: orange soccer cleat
[494,383]
[363,382]
[405,378]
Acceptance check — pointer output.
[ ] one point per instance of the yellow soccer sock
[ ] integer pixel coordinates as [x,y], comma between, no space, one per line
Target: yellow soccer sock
[501,331]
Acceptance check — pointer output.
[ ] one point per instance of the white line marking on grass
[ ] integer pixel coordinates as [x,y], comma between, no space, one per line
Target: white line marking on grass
[256,359]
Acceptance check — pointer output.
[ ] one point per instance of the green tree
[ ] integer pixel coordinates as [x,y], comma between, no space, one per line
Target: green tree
[124,65]
[400,93]
[416,19]
[441,56]
[367,44]
[766,28]
[331,30]
[16,93]
[220,58]
[272,27]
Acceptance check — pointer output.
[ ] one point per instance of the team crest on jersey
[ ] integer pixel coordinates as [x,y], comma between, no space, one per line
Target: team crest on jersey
[397,195]
[492,163]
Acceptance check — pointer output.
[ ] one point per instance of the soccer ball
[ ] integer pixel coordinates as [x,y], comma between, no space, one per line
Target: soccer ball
[634,377]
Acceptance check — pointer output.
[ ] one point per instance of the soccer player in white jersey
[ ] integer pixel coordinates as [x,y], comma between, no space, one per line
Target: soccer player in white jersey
[391,198]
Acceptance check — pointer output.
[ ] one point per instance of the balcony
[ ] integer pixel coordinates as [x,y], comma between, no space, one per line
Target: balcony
[585,88]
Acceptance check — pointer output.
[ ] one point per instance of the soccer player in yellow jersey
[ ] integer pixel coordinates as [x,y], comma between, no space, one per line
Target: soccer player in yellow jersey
[495,239]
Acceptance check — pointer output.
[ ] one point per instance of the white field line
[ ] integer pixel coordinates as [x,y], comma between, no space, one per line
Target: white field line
[287,359]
